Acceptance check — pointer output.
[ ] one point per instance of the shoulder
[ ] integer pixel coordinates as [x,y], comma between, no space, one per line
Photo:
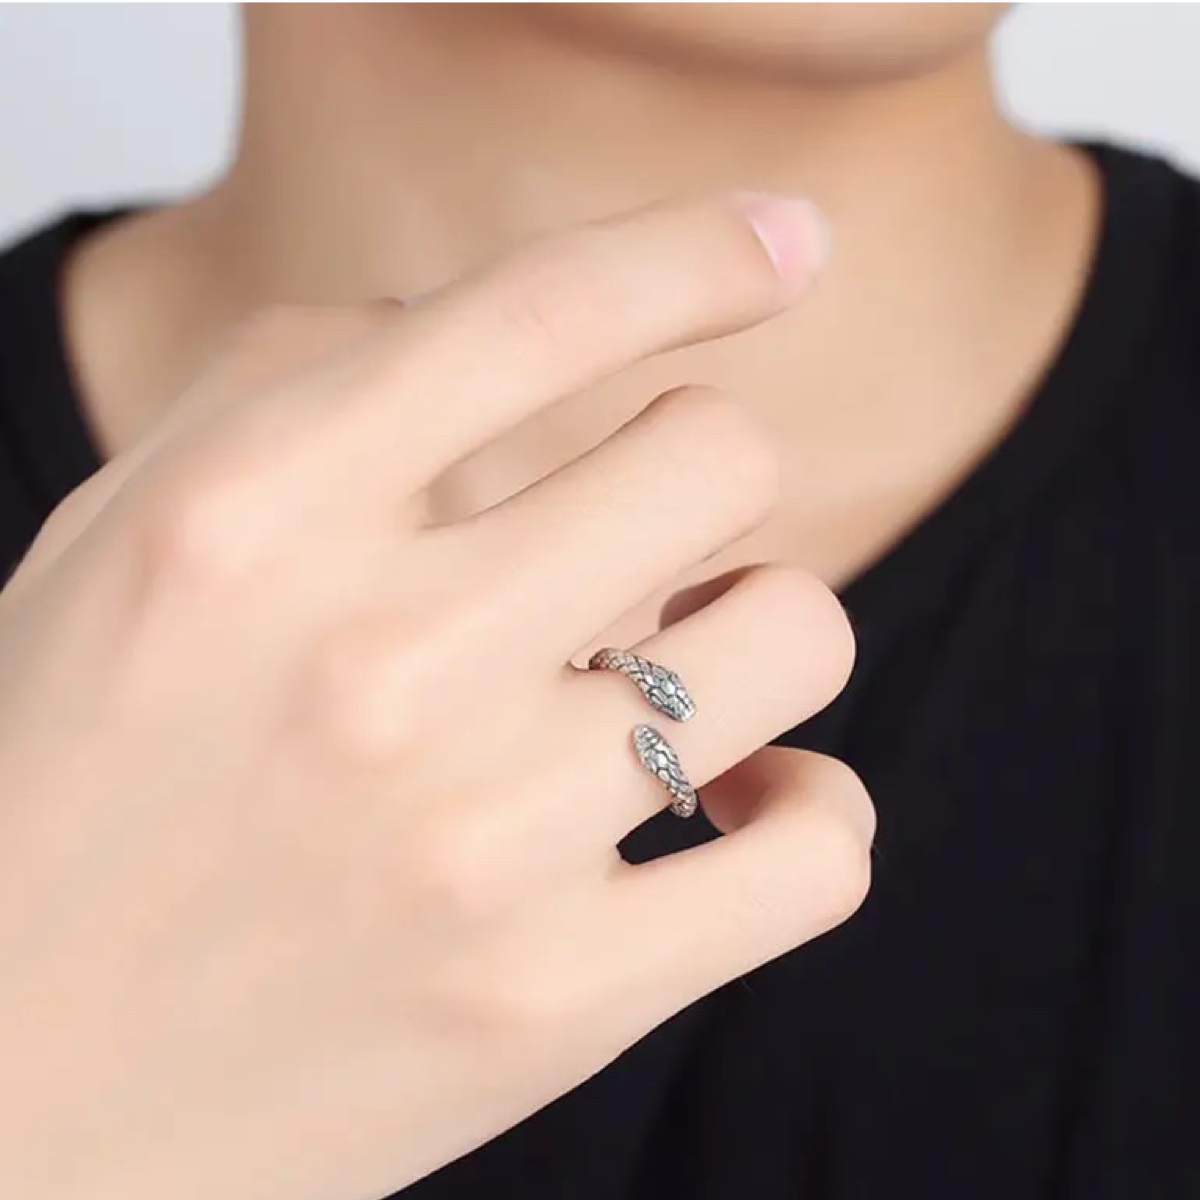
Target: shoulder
[1152,220]
[1151,305]
[1154,225]
[1146,288]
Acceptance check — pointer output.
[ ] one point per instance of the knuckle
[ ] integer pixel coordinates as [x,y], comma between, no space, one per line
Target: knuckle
[356,695]
[447,870]
[523,1007]
[846,793]
[854,880]
[552,293]
[198,525]
[840,833]
[786,589]
[796,599]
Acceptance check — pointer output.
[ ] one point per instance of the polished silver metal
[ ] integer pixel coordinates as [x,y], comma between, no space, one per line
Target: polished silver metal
[661,686]
[656,755]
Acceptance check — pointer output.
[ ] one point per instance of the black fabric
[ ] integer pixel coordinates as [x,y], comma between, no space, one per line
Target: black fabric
[1014,1014]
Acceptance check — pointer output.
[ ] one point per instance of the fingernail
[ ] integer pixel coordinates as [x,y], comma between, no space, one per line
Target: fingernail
[793,231]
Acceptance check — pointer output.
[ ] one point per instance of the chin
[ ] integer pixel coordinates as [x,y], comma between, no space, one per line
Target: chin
[823,43]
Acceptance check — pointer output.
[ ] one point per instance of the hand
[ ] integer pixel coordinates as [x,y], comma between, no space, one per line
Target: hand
[307,869]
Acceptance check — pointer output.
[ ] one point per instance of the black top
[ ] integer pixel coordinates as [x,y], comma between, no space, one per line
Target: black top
[1015,1011]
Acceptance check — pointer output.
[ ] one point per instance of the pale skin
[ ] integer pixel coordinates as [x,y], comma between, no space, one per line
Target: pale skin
[311,884]
[304,799]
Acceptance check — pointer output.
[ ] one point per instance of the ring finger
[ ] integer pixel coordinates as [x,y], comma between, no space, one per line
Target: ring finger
[764,656]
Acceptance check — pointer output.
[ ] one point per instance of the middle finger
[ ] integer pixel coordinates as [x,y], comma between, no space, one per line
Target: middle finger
[684,478]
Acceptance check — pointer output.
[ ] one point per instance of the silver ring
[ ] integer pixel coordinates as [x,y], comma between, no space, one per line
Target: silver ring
[662,687]
[666,692]
[656,755]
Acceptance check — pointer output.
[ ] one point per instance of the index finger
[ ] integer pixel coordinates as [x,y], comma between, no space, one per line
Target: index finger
[477,357]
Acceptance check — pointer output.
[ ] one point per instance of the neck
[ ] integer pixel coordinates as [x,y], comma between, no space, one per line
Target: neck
[397,145]
[385,148]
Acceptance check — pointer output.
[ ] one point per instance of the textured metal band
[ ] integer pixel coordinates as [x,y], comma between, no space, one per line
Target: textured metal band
[656,755]
[662,687]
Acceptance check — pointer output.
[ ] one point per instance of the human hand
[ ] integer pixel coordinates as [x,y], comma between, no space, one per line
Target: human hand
[308,880]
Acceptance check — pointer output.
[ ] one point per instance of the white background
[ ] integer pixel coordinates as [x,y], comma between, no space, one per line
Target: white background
[121,102]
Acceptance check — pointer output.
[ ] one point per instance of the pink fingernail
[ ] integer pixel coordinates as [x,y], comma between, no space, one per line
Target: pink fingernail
[793,230]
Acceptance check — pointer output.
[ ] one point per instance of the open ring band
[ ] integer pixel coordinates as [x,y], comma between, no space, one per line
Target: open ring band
[666,692]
